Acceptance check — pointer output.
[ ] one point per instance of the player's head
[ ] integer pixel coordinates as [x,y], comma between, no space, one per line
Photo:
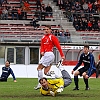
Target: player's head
[86,49]
[47,29]
[43,81]
[7,63]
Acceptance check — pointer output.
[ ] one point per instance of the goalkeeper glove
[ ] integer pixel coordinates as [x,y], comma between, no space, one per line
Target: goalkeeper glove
[52,93]
[60,89]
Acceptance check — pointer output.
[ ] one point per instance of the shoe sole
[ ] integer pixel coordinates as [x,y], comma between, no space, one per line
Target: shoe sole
[75,89]
[58,64]
[87,89]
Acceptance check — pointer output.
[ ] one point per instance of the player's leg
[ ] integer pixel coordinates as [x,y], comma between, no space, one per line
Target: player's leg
[49,59]
[60,66]
[47,70]
[65,74]
[85,81]
[97,72]
[76,80]
[2,79]
[40,75]
[78,72]
[39,69]
[66,77]
[45,62]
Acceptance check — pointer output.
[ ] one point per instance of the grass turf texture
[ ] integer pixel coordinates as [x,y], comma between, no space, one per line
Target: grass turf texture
[24,90]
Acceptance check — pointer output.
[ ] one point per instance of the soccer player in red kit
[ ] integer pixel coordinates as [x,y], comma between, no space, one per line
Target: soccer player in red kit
[48,42]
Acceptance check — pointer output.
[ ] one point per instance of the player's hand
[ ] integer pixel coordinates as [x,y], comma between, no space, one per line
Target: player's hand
[72,72]
[63,58]
[52,93]
[60,89]
[42,53]
[15,81]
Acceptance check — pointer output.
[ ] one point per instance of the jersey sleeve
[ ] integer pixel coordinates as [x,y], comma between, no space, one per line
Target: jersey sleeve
[79,63]
[11,72]
[41,48]
[57,82]
[57,44]
[44,92]
[92,68]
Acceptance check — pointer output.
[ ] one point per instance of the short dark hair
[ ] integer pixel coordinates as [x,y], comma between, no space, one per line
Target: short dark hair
[86,46]
[49,26]
[8,61]
[44,78]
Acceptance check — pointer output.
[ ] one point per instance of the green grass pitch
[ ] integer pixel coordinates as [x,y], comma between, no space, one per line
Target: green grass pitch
[23,89]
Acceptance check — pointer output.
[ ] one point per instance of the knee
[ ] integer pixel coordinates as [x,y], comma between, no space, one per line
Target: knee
[68,82]
[40,67]
[47,70]
[84,74]
[76,73]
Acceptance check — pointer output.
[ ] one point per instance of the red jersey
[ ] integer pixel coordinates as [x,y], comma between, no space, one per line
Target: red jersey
[48,41]
[19,11]
[89,24]
[26,4]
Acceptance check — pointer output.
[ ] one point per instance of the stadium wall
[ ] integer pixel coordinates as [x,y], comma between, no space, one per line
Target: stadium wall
[30,71]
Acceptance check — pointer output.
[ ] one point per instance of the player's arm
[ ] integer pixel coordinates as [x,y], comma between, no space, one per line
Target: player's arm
[42,48]
[57,44]
[11,72]
[78,64]
[92,66]
[47,92]
[58,83]
[3,69]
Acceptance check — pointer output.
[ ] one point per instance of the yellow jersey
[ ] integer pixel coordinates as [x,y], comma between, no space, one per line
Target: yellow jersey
[53,85]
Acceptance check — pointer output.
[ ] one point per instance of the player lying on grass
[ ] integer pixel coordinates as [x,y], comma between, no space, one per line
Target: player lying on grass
[54,86]
[6,71]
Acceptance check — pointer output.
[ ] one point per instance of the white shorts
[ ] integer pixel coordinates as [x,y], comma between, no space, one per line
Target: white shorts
[47,59]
